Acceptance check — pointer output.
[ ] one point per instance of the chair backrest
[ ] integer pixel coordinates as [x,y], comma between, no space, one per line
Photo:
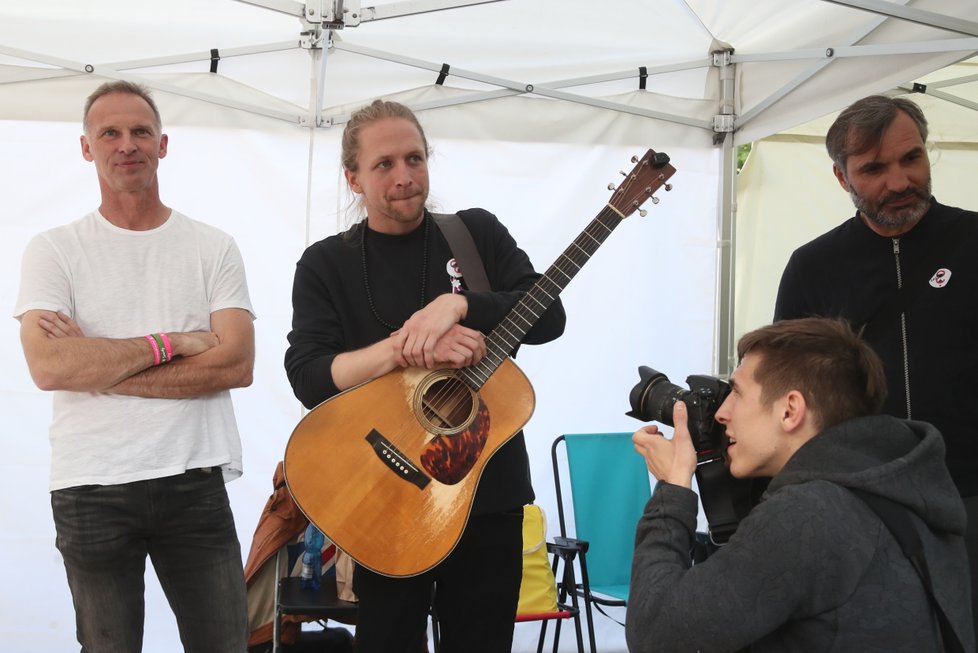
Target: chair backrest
[610,486]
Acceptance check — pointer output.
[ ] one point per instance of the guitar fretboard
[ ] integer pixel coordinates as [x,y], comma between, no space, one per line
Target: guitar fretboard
[509,333]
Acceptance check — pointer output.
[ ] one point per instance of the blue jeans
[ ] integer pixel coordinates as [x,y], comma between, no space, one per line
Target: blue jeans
[184,523]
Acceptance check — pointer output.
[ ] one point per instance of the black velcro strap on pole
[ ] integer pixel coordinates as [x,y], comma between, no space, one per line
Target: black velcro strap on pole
[215,57]
[643,74]
[443,74]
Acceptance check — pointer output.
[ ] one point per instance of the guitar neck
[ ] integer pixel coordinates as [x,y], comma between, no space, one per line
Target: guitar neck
[649,174]
[509,333]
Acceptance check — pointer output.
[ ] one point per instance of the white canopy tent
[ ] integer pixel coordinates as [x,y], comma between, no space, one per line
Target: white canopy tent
[543,102]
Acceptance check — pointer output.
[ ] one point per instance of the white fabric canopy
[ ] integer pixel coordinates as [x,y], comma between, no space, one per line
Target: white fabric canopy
[254,149]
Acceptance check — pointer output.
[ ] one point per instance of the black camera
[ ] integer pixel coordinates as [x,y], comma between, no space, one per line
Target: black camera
[654,397]
[726,500]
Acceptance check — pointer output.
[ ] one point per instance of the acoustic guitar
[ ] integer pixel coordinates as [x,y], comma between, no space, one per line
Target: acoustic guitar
[388,469]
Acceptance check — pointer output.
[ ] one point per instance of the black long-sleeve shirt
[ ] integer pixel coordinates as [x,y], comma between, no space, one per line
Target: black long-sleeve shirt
[332,314]
[930,352]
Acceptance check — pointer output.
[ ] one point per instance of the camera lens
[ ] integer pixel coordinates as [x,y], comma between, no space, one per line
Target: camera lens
[654,396]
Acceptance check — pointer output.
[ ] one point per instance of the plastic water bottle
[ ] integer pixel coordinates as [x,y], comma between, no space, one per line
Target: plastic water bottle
[312,558]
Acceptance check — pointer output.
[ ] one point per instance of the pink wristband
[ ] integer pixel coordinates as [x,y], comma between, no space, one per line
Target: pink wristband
[156,350]
[166,345]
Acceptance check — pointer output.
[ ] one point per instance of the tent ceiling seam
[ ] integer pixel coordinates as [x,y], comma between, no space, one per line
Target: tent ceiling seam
[190,57]
[520,87]
[415,7]
[968,45]
[919,16]
[947,97]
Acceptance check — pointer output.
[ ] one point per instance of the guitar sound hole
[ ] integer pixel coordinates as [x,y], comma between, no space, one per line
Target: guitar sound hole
[447,404]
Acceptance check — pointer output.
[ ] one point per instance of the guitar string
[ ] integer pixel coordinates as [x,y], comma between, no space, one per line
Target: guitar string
[578,253]
[588,244]
[455,390]
[586,248]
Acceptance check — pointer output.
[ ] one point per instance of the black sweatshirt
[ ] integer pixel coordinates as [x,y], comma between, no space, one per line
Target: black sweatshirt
[332,315]
[932,368]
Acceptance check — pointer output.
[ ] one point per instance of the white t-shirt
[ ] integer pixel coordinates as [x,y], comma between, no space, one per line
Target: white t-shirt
[118,283]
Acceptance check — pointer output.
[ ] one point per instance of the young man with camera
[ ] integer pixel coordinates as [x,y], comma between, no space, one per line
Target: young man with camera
[812,567]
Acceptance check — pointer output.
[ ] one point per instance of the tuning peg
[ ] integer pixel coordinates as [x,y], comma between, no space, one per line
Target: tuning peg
[668,187]
[634,158]
[611,187]
[643,212]
[655,200]
[623,173]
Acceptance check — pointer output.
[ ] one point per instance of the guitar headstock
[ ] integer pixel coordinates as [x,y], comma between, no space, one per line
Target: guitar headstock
[650,173]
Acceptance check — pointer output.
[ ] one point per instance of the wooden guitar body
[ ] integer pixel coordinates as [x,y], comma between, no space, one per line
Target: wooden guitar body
[388,469]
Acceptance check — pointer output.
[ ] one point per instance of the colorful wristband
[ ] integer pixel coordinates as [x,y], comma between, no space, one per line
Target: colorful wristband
[157,357]
[161,348]
[166,346]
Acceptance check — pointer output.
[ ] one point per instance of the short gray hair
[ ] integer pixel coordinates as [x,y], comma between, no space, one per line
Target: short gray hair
[861,125]
[121,86]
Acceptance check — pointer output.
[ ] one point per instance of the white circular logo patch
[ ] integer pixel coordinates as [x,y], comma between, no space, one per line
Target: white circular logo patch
[940,278]
[455,275]
[452,269]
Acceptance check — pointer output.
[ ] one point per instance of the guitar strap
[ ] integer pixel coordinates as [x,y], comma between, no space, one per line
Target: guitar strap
[463,249]
[897,519]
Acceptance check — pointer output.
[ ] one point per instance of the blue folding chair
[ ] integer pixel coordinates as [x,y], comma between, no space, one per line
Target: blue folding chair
[610,486]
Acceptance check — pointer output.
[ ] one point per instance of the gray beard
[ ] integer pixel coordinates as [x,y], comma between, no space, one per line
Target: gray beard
[902,218]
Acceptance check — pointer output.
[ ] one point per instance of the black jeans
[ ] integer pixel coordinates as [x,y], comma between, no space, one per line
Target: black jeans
[476,589]
[184,523]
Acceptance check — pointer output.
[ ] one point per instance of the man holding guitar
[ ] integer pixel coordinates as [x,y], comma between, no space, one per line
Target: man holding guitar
[388,294]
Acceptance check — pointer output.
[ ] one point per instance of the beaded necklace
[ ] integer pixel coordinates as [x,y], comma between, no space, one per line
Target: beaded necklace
[366,279]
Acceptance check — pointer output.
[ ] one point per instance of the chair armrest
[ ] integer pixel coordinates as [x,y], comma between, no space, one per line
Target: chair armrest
[568,545]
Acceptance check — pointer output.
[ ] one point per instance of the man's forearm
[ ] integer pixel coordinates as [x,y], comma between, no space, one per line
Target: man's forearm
[90,364]
[184,378]
[354,367]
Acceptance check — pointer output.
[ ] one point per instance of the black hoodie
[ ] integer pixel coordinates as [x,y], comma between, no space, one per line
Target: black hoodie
[811,568]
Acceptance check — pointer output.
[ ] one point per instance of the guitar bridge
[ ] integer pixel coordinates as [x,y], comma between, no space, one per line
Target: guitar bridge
[396,461]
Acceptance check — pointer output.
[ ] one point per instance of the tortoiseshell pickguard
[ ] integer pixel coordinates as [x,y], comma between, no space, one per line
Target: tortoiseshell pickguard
[449,458]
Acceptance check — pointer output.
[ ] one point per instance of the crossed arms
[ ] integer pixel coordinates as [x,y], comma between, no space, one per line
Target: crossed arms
[61,357]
